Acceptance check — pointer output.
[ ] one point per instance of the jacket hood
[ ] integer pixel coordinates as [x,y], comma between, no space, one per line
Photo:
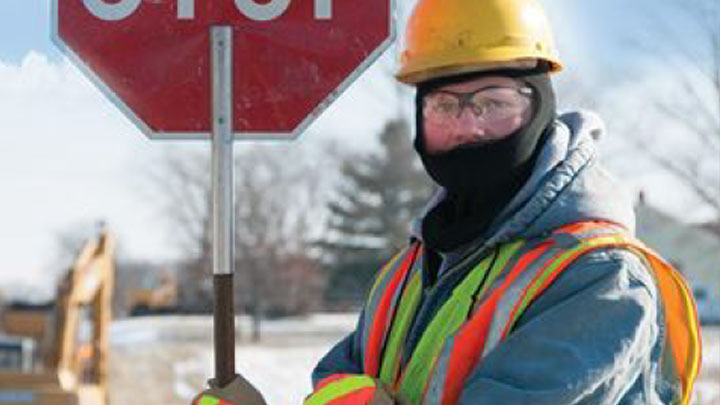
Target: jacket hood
[567,185]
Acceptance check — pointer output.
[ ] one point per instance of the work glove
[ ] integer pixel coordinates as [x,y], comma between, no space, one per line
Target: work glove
[238,392]
[382,397]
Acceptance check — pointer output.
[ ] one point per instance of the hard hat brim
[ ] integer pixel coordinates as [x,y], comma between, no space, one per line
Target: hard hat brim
[420,72]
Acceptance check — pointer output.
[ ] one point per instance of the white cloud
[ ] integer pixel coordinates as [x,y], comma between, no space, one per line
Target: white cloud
[66,156]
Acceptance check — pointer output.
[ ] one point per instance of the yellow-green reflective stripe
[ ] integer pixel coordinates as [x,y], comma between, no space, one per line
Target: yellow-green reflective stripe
[209,400]
[446,322]
[533,290]
[401,323]
[336,389]
[415,377]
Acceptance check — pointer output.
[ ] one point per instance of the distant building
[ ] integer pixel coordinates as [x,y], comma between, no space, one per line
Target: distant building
[692,248]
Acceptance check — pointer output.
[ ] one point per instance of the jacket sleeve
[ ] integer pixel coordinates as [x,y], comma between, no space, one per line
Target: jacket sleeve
[338,378]
[343,358]
[590,338]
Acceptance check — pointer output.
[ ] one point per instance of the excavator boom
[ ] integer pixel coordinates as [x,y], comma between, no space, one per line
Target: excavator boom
[73,372]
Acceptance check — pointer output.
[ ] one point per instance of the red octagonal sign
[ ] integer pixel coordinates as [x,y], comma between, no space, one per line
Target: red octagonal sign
[291,58]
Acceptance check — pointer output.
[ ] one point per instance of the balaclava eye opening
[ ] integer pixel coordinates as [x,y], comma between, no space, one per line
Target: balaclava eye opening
[482,179]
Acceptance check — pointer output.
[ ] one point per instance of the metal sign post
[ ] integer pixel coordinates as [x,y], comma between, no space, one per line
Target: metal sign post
[223,189]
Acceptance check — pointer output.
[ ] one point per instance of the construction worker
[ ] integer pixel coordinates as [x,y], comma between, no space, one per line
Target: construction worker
[522,282]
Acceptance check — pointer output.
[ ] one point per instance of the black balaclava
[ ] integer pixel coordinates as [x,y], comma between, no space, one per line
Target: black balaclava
[482,179]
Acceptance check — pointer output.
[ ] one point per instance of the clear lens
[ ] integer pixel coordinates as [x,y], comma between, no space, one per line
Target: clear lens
[444,103]
[498,103]
[488,104]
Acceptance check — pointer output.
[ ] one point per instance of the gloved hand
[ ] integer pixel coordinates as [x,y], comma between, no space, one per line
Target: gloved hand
[238,392]
[382,397]
[356,389]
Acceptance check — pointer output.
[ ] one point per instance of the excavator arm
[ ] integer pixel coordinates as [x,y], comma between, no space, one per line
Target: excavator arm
[75,370]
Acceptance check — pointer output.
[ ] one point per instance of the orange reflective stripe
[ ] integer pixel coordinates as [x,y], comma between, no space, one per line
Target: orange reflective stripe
[681,319]
[382,317]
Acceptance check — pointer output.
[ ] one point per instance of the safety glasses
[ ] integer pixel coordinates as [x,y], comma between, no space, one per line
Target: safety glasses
[495,112]
[488,104]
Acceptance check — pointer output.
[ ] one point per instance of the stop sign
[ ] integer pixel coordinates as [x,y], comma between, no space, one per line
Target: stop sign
[291,58]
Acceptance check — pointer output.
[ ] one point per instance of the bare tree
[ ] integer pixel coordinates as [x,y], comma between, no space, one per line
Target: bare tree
[180,182]
[689,55]
[277,202]
[275,207]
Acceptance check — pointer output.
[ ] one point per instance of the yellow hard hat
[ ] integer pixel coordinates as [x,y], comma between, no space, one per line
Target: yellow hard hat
[449,37]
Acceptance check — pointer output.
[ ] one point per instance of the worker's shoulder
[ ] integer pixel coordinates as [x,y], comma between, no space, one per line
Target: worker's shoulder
[607,269]
[596,275]
[614,264]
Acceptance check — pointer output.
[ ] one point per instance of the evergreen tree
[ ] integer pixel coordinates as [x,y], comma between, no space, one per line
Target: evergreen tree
[378,197]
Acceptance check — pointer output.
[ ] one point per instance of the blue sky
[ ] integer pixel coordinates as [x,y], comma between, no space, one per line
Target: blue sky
[25,26]
[67,156]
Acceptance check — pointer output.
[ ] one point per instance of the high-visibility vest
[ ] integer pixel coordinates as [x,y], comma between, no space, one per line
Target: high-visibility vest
[482,310]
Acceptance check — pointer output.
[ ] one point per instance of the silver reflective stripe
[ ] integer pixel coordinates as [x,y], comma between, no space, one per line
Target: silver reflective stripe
[377,293]
[375,296]
[436,386]
[512,296]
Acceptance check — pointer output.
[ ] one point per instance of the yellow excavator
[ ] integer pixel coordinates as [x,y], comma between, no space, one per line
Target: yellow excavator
[69,339]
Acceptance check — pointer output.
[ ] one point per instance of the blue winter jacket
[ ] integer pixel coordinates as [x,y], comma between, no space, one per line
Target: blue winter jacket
[594,336]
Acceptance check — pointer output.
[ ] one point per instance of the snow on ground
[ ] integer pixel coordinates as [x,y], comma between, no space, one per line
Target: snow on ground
[280,371]
[167,359]
[707,387]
